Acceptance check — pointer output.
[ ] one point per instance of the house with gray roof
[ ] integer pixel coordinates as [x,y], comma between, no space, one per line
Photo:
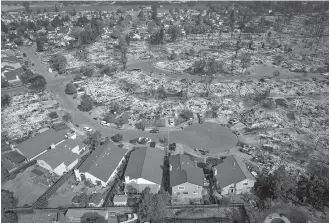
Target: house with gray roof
[36,146]
[62,157]
[101,165]
[186,179]
[144,169]
[233,176]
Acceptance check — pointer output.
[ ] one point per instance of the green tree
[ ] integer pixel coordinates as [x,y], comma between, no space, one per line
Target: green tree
[67,117]
[175,32]
[119,122]
[93,140]
[152,206]
[8,201]
[38,82]
[92,217]
[5,100]
[154,8]
[87,103]
[117,138]
[245,59]
[56,9]
[40,44]
[58,62]
[140,126]
[4,28]
[70,89]
[27,7]
[44,10]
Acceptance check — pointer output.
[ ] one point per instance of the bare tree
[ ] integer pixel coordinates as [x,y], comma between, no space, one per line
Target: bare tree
[245,59]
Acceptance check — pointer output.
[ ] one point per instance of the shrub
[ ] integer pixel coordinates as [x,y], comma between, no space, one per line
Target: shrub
[24,54]
[117,138]
[152,144]
[172,146]
[133,141]
[70,89]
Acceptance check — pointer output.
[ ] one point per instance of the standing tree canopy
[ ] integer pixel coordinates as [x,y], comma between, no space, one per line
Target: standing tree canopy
[87,103]
[8,201]
[152,206]
[93,217]
[58,62]
[38,82]
[70,89]
[5,100]
[93,140]
[117,138]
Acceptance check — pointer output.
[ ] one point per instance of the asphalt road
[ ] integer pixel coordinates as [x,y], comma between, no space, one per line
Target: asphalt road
[195,136]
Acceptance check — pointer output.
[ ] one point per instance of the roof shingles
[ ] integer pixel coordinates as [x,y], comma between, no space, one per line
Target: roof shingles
[183,170]
[232,170]
[103,161]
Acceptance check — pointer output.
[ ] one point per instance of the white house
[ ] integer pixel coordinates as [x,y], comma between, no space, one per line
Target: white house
[61,157]
[233,176]
[101,166]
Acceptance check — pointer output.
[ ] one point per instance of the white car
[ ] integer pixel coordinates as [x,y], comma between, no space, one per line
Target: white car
[87,129]
[171,121]
[105,123]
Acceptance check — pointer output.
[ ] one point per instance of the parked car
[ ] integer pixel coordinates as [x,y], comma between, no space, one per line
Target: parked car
[87,129]
[144,140]
[154,131]
[105,123]
[233,121]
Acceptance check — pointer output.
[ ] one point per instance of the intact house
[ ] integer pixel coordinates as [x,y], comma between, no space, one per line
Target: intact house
[62,157]
[41,143]
[186,179]
[233,176]
[101,165]
[144,169]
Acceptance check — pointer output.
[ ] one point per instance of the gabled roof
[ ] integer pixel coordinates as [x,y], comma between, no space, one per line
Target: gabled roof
[76,214]
[103,161]
[40,142]
[184,170]
[232,170]
[62,153]
[146,163]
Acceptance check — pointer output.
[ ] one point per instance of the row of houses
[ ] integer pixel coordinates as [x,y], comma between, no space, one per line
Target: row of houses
[58,151]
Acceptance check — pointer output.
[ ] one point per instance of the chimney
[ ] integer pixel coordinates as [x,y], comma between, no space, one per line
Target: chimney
[52,146]
[170,168]
[234,163]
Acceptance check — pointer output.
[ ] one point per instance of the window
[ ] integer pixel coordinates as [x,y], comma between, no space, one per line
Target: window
[246,183]
[185,192]
[199,187]
[181,188]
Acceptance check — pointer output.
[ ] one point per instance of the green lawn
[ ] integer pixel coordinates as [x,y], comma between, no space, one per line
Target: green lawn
[24,187]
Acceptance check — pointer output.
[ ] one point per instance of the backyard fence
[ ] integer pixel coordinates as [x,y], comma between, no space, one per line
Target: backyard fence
[59,183]
[205,206]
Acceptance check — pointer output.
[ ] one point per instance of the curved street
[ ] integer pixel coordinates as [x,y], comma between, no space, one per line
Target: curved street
[56,86]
